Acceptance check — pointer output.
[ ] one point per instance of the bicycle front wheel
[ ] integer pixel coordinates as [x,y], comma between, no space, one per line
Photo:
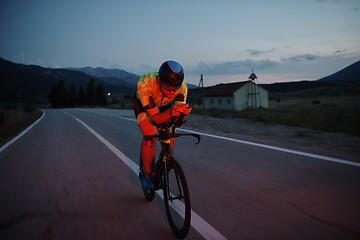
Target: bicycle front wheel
[177,200]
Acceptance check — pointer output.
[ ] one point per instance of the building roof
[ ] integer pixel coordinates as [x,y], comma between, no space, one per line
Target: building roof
[225,89]
[252,76]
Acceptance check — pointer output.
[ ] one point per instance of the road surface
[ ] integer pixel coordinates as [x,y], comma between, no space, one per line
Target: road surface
[71,176]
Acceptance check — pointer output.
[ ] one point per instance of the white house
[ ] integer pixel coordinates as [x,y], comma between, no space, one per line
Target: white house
[236,96]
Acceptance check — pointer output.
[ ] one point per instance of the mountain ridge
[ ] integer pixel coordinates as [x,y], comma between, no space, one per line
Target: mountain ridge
[33,82]
[117,77]
[349,73]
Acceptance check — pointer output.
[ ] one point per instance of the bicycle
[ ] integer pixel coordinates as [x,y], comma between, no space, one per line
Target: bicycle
[169,177]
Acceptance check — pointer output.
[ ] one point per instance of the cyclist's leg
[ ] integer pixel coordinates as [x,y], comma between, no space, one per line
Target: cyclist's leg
[147,149]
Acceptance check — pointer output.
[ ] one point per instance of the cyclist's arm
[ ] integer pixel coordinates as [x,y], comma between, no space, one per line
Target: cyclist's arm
[161,117]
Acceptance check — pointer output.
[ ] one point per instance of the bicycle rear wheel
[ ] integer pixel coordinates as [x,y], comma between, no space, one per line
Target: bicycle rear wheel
[177,200]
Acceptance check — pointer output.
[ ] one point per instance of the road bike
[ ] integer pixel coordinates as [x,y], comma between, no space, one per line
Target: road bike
[169,177]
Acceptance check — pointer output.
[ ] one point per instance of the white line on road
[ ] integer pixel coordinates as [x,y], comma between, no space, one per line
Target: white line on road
[198,223]
[270,147]
[21,134]
[337,160]
[279,149]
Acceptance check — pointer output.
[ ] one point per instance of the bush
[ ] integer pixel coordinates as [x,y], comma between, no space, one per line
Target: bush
[2,119]
[29,108]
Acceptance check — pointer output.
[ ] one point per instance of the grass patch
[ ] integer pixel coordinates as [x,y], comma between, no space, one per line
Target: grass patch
[12,122]
[322,118]
[302,134]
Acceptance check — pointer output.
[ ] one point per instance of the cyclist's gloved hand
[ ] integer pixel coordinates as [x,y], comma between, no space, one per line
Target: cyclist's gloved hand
[180,108]
[187,110]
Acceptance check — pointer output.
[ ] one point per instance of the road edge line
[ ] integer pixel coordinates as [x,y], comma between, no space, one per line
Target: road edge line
[198,223]
[316,156]
[331,159]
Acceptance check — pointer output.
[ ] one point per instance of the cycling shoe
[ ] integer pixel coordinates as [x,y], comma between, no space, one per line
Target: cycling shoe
[147,181]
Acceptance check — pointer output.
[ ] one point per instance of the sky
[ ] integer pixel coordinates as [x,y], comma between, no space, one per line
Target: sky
[225,40]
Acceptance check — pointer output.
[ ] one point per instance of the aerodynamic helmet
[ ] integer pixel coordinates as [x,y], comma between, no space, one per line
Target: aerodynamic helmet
[171,73]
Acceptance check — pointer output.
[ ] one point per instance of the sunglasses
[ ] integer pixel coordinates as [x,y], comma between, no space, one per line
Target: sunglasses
[168,87]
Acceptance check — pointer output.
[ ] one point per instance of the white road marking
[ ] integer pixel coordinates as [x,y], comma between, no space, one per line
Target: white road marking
[21,134]
[198,223]
[278,149]
[331,159]
[337,160]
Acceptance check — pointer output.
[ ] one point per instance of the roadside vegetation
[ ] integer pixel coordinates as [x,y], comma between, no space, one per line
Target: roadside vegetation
[92,95]
[13,121]
[316,116]
[330,106]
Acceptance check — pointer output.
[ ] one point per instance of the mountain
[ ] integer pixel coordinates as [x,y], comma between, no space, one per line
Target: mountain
[115,77]
[350,73]
[33,83]
[343,82]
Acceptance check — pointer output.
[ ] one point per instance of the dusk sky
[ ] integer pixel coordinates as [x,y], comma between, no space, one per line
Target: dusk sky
[287,40]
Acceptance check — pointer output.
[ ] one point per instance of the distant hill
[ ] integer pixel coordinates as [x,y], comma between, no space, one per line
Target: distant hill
[191,86]
[32,83]
[350,73]
[316,88]
[115,77]
[345,81]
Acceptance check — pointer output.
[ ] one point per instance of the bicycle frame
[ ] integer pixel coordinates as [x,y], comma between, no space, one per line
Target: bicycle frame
[166,133]
[170,177]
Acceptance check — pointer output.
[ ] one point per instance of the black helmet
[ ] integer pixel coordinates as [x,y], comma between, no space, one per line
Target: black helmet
[171,73]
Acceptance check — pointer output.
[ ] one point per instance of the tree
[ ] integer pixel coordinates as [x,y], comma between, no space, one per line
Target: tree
[53,96]
[63,96]
[59,95]
[101,96]
[81,97]
[72,96]
[91,92]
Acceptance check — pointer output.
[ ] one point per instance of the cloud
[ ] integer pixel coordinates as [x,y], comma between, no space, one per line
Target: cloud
[142,69]
[107,63]
[29,59]
[258,52]
[228,68]
[340,51]
[54,65]
[301,58]
[327,1]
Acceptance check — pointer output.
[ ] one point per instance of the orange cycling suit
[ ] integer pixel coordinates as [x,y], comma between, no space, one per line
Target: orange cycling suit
[150,98]
[149,95]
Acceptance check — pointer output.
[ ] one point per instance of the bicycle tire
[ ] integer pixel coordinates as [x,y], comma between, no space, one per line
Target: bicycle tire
[179,227]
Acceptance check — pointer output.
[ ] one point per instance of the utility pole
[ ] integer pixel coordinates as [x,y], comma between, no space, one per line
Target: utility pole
[201,86]
[201,83]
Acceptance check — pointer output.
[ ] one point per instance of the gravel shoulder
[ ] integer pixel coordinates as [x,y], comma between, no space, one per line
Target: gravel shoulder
[334,145]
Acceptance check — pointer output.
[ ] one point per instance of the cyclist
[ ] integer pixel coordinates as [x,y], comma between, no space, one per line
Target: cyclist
[159,97]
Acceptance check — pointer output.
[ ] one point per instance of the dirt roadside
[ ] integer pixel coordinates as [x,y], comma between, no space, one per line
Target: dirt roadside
[334,145]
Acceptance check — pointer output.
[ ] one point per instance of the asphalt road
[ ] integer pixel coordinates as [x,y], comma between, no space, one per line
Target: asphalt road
[60,181]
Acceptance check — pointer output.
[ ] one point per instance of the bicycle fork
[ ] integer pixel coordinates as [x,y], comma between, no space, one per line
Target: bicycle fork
[167,161]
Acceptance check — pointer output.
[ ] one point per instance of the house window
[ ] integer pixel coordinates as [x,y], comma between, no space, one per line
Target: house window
[220,101]
[228,101]
[212,101]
